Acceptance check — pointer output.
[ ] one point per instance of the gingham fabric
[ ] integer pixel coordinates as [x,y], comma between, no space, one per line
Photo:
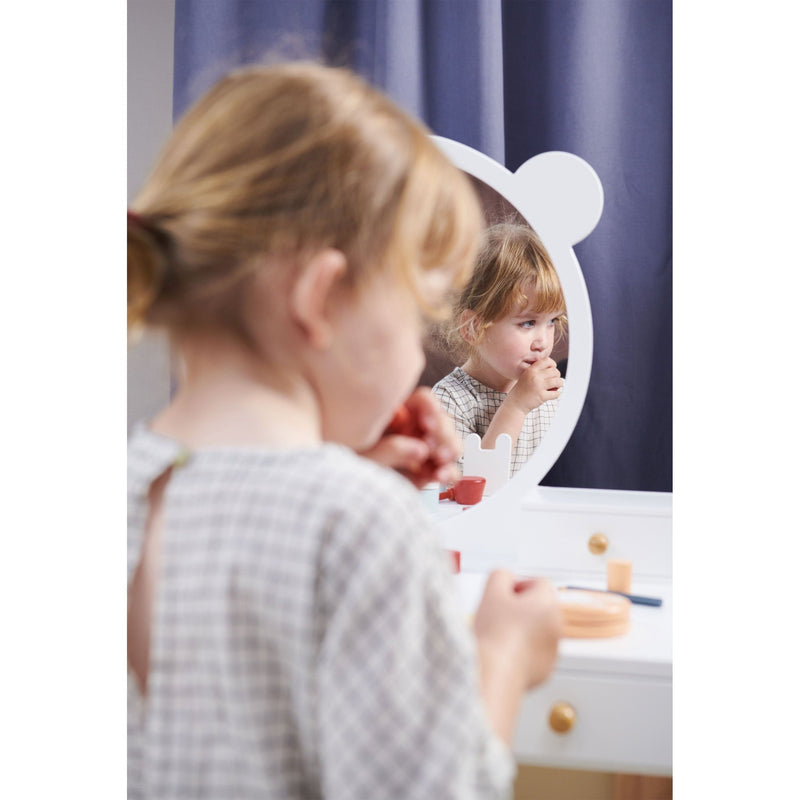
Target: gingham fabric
[472,405]
[307,639]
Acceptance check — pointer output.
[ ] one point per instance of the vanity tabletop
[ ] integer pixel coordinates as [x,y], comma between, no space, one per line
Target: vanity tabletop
[644,651]
[598,501]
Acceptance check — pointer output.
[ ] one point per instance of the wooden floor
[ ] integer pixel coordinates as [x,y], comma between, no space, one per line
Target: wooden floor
[544,783]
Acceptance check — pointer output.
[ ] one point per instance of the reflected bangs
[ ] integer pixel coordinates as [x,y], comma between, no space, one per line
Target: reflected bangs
[543,292]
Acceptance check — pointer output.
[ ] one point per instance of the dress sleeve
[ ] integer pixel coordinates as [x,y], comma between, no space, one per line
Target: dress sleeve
[455,401]
[399,707]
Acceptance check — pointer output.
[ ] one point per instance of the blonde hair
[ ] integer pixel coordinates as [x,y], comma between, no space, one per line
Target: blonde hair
[282,161]
[513,270]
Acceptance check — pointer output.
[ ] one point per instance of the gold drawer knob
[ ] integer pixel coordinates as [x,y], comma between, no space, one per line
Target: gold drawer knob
[562,717]
[598,543]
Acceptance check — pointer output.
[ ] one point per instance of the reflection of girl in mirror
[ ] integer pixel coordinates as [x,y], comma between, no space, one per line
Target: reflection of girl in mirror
[505,322]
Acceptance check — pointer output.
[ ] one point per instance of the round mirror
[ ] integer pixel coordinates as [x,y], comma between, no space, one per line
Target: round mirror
[560,196]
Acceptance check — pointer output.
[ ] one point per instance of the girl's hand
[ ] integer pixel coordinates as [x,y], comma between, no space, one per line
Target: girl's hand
[540,382]
[421,442]
[520,622]
[517,627]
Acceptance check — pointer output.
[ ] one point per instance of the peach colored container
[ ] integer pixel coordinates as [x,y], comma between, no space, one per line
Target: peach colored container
[618,575]
[589,615]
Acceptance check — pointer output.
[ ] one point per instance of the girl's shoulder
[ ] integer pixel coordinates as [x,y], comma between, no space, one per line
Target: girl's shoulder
[347,475]
[454,377]
[461,389]
[454,383]
[149,454]
[327,478]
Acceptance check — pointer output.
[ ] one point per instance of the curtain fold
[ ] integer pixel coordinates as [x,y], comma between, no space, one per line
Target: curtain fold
[600,86]
[514,78]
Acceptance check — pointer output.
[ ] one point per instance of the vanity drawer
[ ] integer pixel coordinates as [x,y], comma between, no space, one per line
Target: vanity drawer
[584,542]
[612,724]
[577,531]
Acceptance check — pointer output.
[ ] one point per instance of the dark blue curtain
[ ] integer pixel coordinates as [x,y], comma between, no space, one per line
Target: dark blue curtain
[513,79]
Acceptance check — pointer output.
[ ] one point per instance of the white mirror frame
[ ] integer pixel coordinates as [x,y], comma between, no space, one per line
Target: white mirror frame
[561,197]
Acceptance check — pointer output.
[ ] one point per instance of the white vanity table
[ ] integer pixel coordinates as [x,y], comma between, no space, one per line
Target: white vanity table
[608,704]
[615,694]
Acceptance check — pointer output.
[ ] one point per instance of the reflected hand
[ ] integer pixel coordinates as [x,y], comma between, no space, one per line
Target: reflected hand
[540,382]
[421,442]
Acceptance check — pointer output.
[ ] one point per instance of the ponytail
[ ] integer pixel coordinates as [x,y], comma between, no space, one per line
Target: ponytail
[147,267]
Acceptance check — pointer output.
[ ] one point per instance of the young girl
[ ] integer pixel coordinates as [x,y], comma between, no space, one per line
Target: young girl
[293,629]
[507,318]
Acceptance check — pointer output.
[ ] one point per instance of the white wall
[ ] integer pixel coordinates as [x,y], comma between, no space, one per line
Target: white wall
[151,26]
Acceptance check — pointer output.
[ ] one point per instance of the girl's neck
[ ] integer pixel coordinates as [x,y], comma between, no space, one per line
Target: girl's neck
[476,368]
[229,396]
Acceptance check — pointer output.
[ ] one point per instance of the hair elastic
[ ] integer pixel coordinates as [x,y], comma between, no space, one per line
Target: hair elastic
[138,221]
[159,236]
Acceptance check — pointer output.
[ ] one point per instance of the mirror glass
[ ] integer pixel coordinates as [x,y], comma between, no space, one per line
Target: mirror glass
[441,358]
[558,195]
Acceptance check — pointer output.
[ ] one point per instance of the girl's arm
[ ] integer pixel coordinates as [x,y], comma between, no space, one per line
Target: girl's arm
[509,419]
[517,627]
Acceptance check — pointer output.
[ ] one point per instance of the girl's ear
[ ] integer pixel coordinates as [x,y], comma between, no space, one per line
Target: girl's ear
[309,298]
[468,326]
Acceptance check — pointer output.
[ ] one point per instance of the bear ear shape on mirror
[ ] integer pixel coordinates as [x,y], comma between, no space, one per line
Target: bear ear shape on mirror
[309,299]
[566,196]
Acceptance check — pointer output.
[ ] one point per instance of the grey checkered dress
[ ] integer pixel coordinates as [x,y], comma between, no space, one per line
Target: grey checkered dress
[472,405]
[307,640]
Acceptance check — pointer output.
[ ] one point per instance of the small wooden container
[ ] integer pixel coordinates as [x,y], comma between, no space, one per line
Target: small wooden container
[586,614]
[619,575]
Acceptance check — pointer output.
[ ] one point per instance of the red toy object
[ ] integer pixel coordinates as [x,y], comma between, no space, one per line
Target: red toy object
[455,560]
[405,424]
[402,424]
[467,492]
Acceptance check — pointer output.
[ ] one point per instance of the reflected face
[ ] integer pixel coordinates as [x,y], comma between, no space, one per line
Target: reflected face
[512,343]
